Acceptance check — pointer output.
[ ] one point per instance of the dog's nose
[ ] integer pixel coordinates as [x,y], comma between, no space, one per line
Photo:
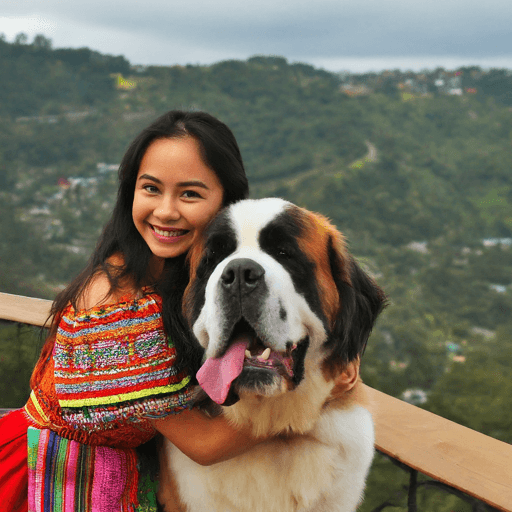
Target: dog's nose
[242,273]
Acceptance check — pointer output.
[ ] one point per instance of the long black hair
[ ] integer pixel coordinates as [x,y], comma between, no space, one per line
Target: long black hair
[221,154]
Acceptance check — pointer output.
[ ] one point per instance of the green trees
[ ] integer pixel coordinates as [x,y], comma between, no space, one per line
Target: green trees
[19,349]
[421,188]
[478,393]
[35,76]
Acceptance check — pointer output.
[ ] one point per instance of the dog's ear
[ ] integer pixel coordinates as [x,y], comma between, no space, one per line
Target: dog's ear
[360,302]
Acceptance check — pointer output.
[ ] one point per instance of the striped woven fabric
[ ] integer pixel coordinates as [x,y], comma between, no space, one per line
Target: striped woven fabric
[66,476]
[114,363]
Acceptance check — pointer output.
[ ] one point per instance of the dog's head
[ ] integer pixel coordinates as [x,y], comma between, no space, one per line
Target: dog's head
[279,279]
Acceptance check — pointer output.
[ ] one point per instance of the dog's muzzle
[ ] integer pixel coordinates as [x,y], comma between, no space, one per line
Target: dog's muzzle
[242,289]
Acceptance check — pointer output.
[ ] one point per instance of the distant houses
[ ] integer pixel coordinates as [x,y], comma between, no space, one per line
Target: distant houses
[104,168]
[410,85]
[52,119]
[493,242]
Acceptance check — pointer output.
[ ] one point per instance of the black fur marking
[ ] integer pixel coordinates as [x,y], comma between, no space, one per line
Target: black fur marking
[221,241]
[171,287]
[279,239]
[282,312]
[232,398]
[298,356]
[361,302]
[255,378]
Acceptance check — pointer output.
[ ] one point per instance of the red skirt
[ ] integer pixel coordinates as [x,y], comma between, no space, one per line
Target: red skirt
[13,462]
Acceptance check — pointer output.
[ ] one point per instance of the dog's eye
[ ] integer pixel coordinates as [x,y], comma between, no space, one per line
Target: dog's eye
[284,253]
[219,247]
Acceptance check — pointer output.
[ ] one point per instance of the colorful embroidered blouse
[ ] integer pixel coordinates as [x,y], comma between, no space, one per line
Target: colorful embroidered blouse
[111,370]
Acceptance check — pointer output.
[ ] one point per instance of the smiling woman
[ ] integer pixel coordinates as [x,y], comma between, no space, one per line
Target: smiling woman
[119,365]
[176,194]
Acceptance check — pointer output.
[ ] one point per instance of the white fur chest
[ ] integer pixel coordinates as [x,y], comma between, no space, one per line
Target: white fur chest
[323,471]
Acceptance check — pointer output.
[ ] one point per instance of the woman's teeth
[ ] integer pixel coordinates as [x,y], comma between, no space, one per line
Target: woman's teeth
[169,234]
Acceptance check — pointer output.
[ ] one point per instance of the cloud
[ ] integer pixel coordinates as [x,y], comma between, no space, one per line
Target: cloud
[31,25]
[202,31]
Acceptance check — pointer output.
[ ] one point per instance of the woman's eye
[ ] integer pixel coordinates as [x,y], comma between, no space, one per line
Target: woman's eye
[191,194]
[150,188]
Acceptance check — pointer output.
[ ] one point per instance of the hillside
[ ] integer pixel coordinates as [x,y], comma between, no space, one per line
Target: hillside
[414,168]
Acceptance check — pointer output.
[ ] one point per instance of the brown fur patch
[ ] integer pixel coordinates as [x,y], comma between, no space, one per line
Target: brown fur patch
[332,370]
[341,398]
[317,236]
[193,258]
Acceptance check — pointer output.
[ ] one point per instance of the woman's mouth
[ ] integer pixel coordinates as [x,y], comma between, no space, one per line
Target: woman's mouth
[168,235]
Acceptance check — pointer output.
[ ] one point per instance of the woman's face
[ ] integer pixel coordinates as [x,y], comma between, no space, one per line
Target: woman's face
[176,195]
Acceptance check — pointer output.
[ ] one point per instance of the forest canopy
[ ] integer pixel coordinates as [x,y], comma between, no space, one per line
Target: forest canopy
[414,168]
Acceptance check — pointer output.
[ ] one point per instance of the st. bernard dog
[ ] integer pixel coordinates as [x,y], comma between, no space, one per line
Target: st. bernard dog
[281,310]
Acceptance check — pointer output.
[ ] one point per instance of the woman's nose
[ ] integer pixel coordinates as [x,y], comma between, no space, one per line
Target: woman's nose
[167,210]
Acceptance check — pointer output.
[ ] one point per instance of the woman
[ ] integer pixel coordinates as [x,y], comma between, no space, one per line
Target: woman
[118,365]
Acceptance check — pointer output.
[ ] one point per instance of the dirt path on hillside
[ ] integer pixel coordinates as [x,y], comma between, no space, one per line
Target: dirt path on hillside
[293,181]
[372,152]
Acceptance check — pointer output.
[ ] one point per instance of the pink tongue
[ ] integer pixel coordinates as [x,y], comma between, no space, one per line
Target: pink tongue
[217,374]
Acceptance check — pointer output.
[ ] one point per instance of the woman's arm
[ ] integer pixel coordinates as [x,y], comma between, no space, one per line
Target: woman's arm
[205,440]
[211,440]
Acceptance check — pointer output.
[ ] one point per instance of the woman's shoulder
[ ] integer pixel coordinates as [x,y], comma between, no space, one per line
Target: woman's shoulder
[99,291]
[98,303]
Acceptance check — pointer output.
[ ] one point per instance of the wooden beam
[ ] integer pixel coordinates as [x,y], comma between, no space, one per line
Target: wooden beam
[446,451]
[27,310]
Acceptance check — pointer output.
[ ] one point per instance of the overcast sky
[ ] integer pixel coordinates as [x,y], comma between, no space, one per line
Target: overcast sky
[353,35]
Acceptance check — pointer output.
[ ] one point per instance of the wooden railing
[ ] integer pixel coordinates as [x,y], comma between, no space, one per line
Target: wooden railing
[25,310]
[459,459]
